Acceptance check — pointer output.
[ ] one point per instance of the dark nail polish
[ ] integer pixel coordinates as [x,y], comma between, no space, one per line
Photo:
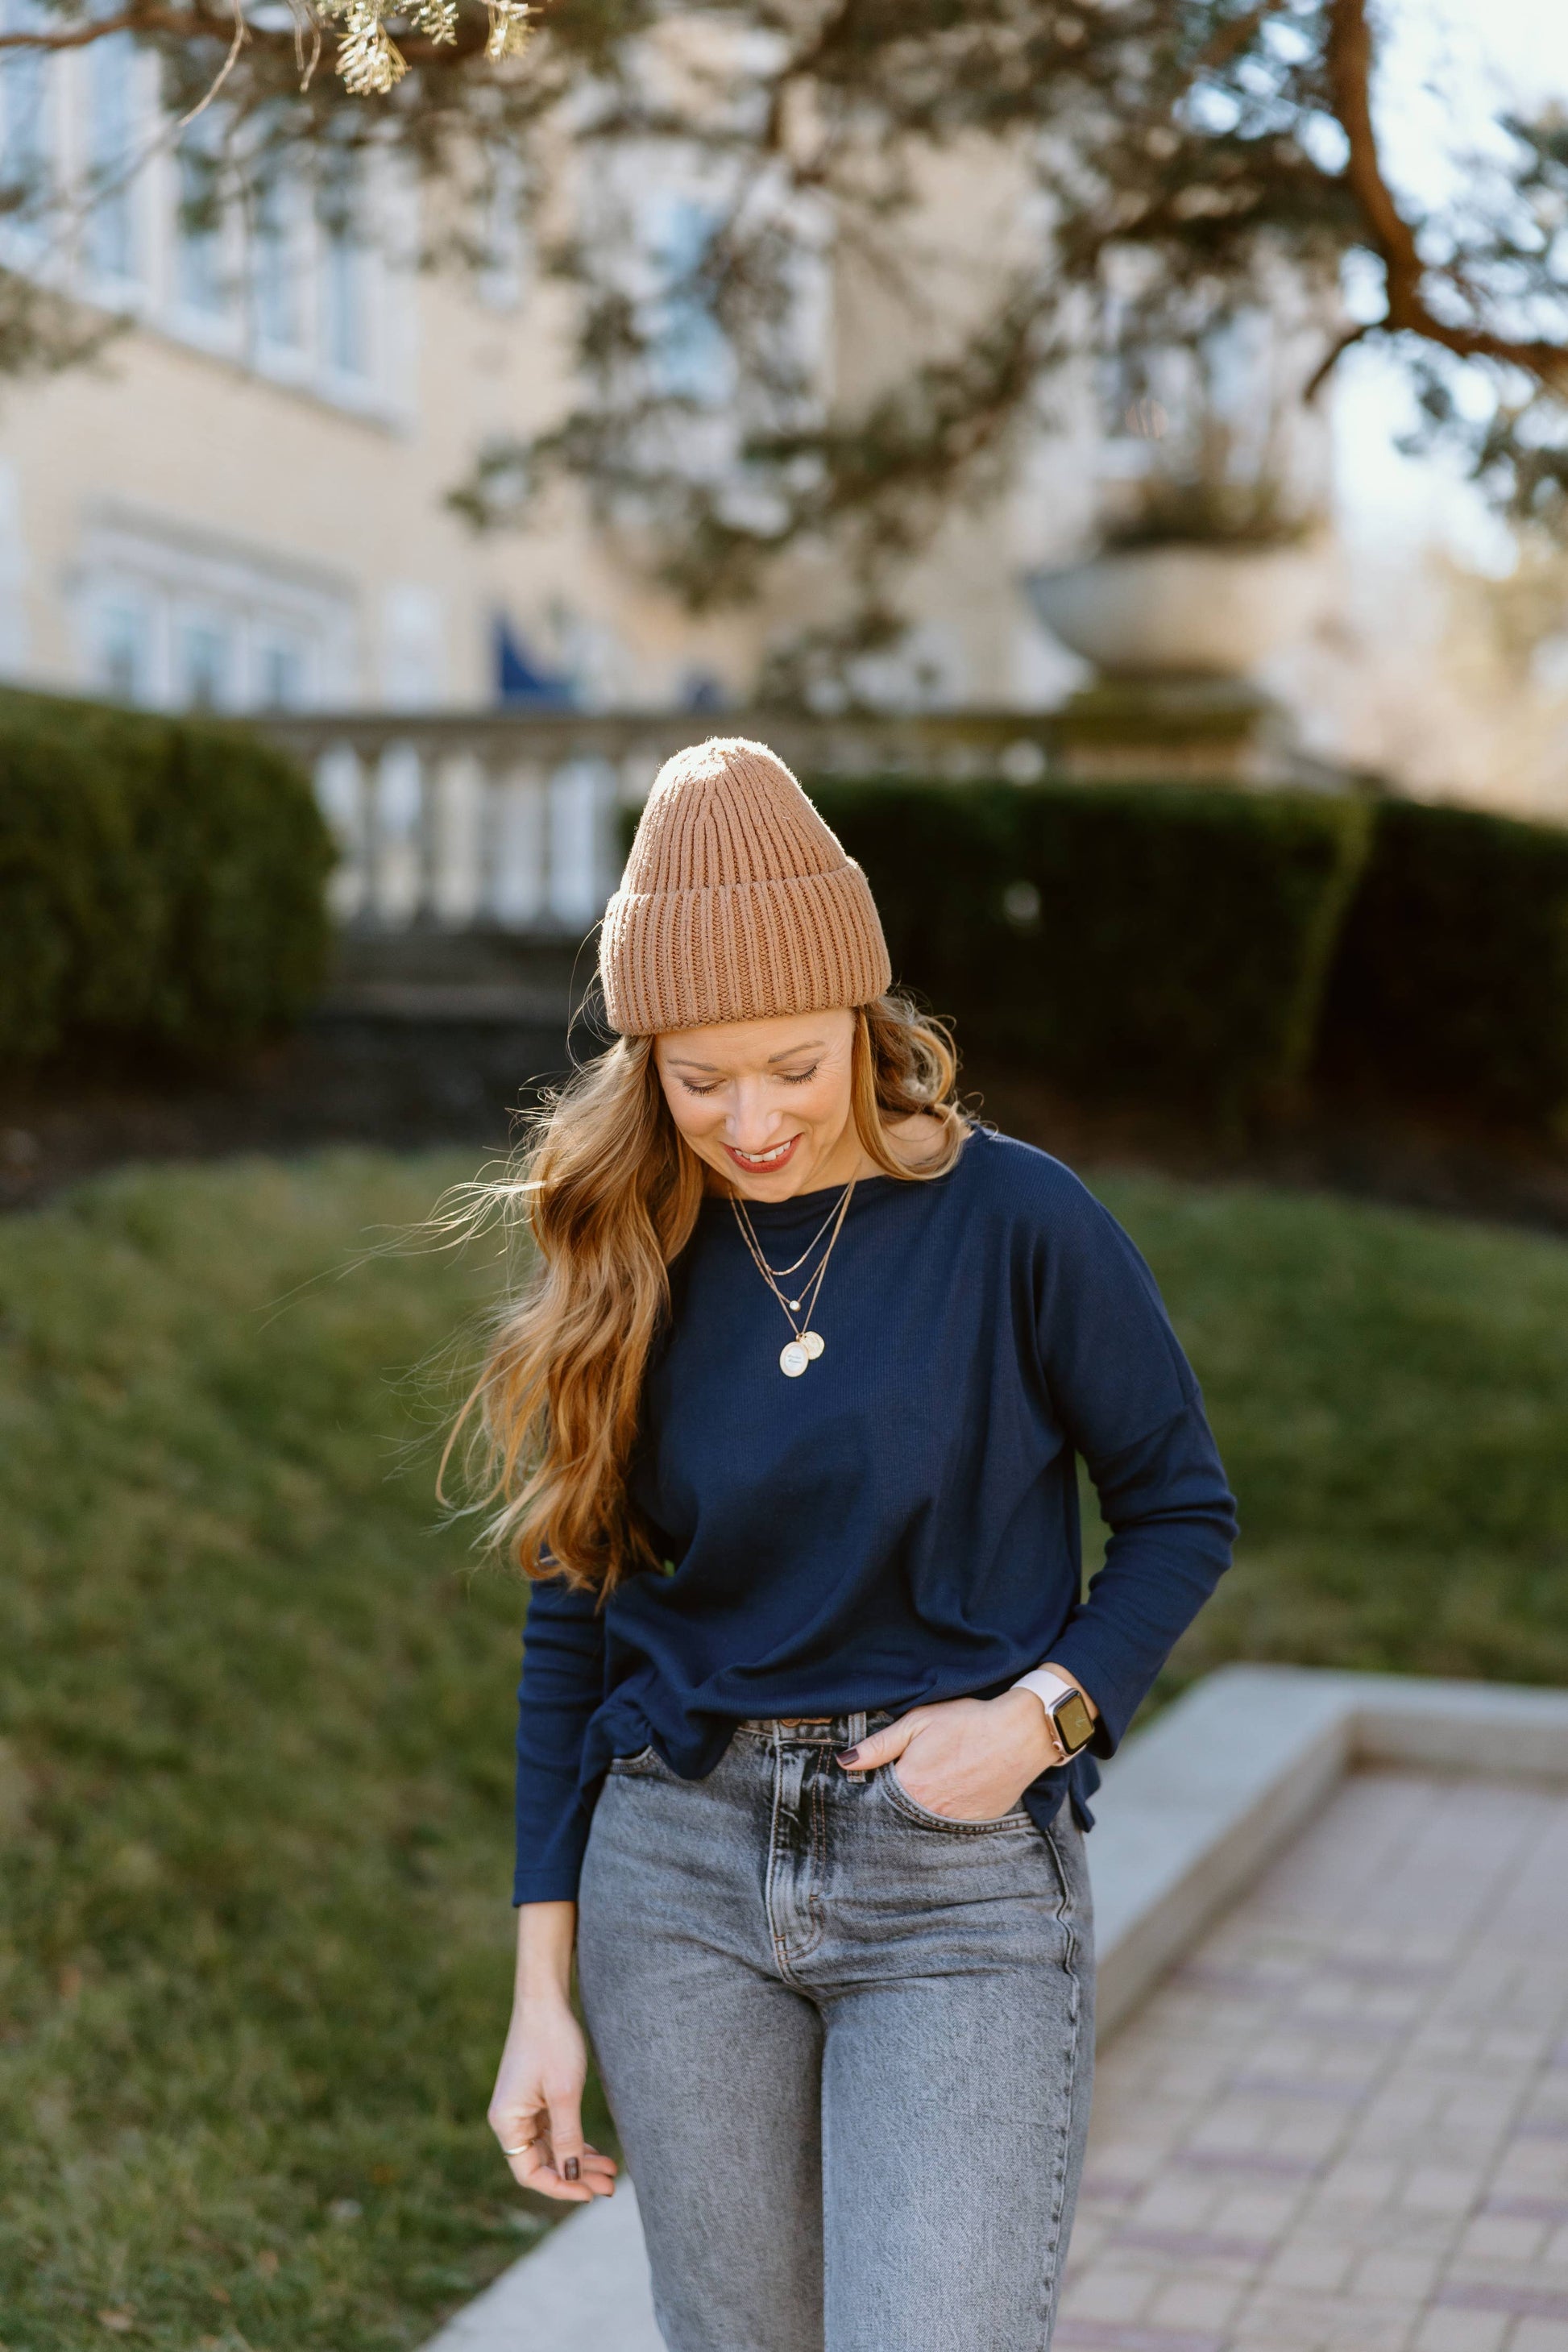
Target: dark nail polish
[848,1756]
[571,2169]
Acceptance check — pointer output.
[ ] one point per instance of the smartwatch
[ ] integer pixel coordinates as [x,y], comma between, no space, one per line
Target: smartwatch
[1066,1706]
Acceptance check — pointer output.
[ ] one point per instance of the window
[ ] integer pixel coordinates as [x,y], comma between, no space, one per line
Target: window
[503,269]
[292,277]
[124,648]
[203,663]
[277,271]
[111,137]
[200,279]
[26,88]
[345,339]
[185,618]
[690,357]
[343,295]
[282,672]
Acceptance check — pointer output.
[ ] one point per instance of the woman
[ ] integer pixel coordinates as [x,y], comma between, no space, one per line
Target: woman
[787,1429]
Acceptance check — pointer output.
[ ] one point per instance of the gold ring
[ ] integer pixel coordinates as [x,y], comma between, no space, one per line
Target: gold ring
[520,2151]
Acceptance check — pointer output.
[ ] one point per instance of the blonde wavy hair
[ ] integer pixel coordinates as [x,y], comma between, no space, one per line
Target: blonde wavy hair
[607,1191]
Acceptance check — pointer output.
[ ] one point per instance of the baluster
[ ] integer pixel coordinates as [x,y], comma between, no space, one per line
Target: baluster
[609,855]
[409,766]
[487,823]
[523,825]
[536,850]
[518,892]
[1023,761]
[398,835]
[581,825]
[340,795]
[428,833]
[458,785]
[541,844]
[392,836]
[436,842]
[372,907]
[571,833]
[634,781]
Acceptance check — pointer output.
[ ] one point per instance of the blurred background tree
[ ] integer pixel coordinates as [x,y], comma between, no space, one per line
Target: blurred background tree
[1162,170]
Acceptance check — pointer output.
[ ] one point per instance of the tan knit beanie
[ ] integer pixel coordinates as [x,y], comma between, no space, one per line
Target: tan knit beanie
[737,901]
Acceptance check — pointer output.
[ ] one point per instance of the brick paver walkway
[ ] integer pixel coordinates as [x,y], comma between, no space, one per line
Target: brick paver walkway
[1343,2126]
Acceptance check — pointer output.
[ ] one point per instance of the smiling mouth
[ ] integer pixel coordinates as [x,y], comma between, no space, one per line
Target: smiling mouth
[760,1162]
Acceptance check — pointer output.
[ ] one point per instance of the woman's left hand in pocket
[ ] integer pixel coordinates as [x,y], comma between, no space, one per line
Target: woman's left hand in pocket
[969,1759]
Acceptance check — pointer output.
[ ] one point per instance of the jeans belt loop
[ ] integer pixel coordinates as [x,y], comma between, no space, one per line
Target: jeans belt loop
[857,1728]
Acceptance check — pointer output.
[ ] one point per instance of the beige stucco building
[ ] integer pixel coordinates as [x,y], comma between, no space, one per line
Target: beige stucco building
[243,500]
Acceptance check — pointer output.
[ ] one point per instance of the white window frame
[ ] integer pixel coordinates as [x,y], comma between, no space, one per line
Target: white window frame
[382,385]
[181,577]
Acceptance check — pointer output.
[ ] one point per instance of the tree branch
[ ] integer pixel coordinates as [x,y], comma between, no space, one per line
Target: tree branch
[184,24]
[1335,352]
[200,23]
[1348,60]
[1232,38]
[800,68]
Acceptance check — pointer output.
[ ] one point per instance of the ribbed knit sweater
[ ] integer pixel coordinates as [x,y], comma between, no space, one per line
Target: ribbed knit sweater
[900,1523]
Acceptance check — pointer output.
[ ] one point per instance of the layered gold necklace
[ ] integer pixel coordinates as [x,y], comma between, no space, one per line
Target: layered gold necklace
[805,1345]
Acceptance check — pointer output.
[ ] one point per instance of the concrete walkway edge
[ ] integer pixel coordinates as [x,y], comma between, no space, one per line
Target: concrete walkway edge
[1190,1812]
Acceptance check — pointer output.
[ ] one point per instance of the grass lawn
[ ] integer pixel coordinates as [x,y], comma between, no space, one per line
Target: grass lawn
[256,1709]
[1390,1392]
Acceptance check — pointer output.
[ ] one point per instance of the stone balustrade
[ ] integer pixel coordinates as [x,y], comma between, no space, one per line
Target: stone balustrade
[498,821]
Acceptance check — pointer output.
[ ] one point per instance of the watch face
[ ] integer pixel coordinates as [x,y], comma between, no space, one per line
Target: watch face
[1075,1725]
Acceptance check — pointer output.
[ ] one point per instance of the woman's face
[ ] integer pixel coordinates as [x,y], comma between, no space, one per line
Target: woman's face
[766,1103]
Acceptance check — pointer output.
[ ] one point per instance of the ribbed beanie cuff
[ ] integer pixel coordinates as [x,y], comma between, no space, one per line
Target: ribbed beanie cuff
[738,902]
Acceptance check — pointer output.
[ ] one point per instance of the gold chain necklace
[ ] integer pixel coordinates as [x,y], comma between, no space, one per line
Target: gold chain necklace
[783,1272]
[806,1344]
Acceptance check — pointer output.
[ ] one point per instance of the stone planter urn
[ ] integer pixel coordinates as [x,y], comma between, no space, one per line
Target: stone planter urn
[1175,632]
[1203,612]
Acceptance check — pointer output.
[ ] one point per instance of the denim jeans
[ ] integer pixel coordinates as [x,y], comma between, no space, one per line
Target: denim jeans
[848,2046]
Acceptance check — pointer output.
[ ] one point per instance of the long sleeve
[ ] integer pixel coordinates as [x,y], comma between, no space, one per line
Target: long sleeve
[1128,1400]
[900,1525]
[563,1684]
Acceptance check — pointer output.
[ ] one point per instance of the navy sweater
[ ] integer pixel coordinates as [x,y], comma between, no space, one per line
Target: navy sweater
[900,1523]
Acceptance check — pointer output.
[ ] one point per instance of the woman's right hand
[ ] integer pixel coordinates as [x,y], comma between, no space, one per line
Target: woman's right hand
[536,2107]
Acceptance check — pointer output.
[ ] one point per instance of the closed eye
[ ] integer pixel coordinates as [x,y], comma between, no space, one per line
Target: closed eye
[790,1078]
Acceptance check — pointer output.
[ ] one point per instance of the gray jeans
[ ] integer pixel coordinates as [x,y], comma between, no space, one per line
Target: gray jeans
[848,2046]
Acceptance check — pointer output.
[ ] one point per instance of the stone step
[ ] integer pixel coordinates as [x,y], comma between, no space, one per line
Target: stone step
[586,2290]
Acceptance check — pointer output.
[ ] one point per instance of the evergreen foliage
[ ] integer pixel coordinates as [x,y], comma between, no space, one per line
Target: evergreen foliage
[162,883]
[1213,949]
[1133,941]
[1451,981]
[1199,161]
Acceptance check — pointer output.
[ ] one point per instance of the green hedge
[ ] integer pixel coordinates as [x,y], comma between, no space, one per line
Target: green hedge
[1133,941]
[162,882]
[1451,981]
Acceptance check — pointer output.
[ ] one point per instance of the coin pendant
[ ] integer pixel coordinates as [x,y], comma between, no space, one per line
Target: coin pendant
[794,1358]
[813,1344]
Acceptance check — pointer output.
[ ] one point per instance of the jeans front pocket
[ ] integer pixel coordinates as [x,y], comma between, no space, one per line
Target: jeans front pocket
[911,1809]
[647,1762]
